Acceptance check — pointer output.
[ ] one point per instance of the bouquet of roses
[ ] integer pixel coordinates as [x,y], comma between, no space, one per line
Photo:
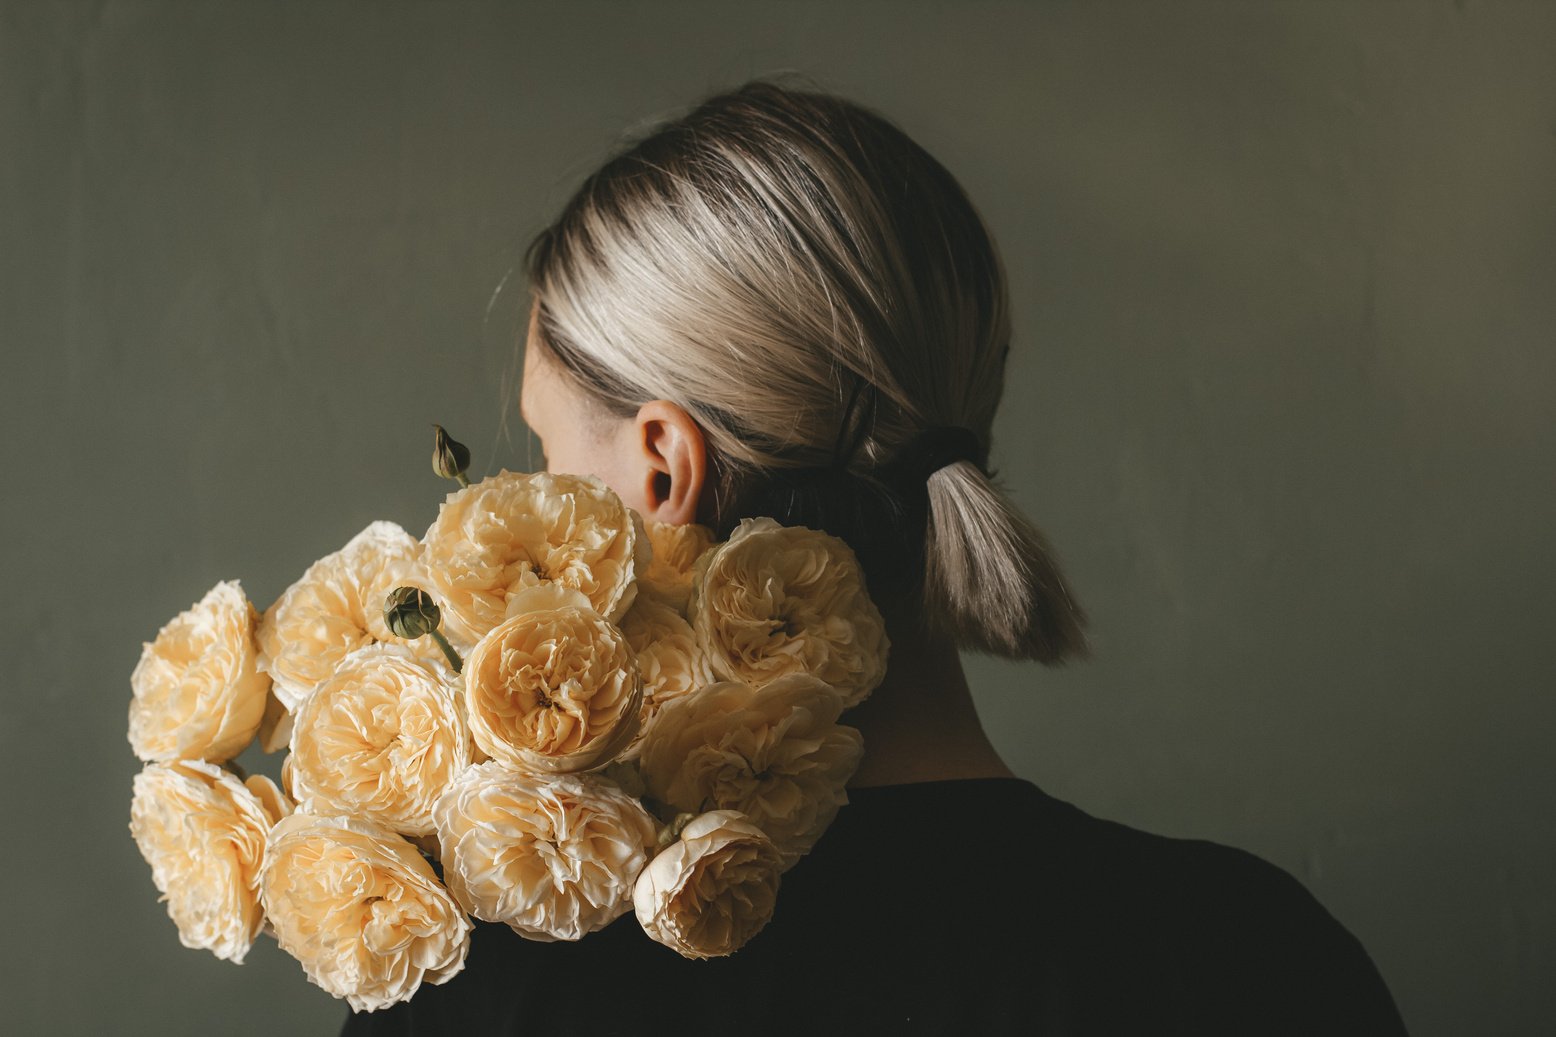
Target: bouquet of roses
[543,713]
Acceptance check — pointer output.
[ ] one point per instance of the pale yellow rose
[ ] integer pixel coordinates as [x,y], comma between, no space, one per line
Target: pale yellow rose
[515,530]
[336,607]
[777,754]
[710,891]
[380,738]
[555,858]
[203,833]
[554,689]
[669,658]
[198,692]
[676,549]
[361,909]
[775,600]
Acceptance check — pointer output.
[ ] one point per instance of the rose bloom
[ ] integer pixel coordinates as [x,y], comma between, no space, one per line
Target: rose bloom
[713,889]
[336,607]
[774,600]
[553,689]
[203,833]
[198,693]
[514,530]
[361,909]
[669,659]
[380,739]
[777,754]
[676,549]
[553,857]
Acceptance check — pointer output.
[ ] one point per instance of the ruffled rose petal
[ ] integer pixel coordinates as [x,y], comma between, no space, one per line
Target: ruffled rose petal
[198,693]
[336,607]
[776,754]
[361,909]
[669,658]
[554,858]
[709,892]
[380,739]
[676,549]
[553,690]
[515,530]
[776,600]
[203,833]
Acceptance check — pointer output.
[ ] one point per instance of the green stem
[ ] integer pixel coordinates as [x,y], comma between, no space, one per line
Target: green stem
[462,480]
[448,651]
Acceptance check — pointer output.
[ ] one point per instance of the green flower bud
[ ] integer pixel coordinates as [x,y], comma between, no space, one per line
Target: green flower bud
[411,613]
[450,457]
[672,831]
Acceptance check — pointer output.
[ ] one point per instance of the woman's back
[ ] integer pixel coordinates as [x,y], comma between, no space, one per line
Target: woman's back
[968,906]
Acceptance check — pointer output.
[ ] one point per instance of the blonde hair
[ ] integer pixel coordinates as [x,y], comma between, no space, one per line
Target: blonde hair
[820,295]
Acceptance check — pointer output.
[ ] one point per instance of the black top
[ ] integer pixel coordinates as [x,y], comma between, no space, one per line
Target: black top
[969,907]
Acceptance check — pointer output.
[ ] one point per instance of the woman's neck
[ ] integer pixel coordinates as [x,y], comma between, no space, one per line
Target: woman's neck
[921,724]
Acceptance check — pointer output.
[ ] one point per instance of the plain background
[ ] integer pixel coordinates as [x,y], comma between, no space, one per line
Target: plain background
[1281,396]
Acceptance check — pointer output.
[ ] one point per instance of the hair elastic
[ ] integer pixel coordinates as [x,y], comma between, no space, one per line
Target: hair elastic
[926,453]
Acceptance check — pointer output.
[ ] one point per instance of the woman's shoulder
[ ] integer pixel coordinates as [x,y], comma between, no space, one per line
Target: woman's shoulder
[1195,931]
[1067,862]
[1012,824]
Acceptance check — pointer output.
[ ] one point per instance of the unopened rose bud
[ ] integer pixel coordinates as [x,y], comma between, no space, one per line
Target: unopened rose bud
[672,831]
[450,457]
[410,613]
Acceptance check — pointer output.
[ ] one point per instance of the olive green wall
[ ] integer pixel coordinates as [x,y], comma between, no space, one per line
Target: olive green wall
[1282,396]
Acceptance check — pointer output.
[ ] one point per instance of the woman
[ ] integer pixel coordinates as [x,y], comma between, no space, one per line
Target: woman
[780,305]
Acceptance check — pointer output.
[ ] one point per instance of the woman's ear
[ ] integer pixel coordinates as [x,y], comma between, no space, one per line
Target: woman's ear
[674,462]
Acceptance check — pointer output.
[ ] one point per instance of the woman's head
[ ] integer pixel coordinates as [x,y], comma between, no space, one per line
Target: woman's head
[779,304]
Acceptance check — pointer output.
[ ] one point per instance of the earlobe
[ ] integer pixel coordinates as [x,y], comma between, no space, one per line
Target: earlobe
[675,460]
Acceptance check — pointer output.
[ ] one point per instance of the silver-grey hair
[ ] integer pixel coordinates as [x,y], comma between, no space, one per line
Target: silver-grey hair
[820,295]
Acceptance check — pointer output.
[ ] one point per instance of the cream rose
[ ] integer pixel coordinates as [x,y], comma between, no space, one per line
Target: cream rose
[709,892]
[203,833]
[775,600]
[676,549]
[670,660]
[198,693]
[361,909]
[336,607]
[777,754]
[515,530]
[553,857]
[553,689]
[380,738]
